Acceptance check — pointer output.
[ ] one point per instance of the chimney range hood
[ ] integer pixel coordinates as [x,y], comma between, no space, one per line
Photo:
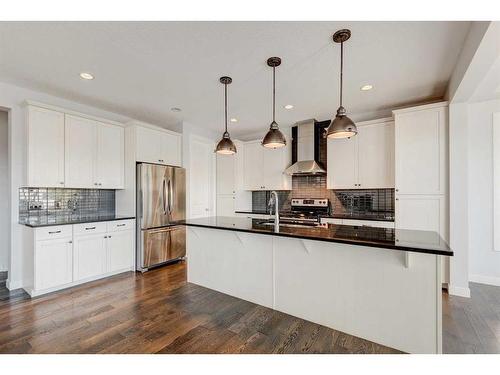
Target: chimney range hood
[303,147]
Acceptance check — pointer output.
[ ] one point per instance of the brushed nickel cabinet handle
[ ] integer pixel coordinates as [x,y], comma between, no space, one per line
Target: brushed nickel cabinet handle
[89,228]
[57,231]
[120,225]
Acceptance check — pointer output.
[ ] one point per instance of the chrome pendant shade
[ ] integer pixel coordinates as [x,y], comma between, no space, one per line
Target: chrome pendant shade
[225,145]
[341,126]
[274,137]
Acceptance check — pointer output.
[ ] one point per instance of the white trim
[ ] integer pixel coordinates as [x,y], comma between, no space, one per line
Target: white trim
[71,112]
[420,107]
[375,121]
[458,291]
[13,285]
[488,280]
[151,126]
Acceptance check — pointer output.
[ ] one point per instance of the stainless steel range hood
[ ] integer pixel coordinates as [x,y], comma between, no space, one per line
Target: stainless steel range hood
[304,143]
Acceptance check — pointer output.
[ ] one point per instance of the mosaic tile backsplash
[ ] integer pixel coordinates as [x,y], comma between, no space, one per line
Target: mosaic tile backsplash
[55,202]
[342,201]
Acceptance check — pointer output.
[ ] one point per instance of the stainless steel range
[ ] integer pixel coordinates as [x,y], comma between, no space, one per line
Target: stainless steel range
[306,211]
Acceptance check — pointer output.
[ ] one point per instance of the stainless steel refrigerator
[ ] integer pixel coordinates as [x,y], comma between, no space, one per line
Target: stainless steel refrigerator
[161,202]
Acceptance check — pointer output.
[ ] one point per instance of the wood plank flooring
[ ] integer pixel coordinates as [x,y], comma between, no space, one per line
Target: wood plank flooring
[159,312]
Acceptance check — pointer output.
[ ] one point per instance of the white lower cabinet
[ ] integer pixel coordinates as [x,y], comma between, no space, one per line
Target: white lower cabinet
[69,255]
[89,256]
[120,250]
[53,263]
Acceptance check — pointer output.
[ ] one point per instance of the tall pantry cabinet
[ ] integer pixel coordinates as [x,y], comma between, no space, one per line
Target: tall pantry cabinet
[421,170]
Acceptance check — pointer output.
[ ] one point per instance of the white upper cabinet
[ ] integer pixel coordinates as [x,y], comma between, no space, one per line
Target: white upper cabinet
[376,156]
[80,151]
[253,166]
[342,163]
[365,161]
[68,150]
[264,168]
[109,164]
[45,147]
[157,146]
[226,174]
[421,149]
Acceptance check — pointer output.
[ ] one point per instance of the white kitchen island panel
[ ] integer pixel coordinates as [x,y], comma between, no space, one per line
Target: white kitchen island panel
[235,263]
[373,293]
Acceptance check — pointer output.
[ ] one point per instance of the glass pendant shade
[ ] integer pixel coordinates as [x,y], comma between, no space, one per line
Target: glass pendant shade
[341,126]
[225,145]
[274,137]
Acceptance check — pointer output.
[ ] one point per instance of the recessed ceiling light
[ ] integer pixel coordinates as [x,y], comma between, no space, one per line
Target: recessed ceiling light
[86,76]
[234,120]
[288,106]
[366,87]
[175,109]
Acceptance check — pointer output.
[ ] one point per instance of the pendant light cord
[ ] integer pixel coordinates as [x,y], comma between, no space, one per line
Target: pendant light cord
[225,105]
[274,93]
[341,69]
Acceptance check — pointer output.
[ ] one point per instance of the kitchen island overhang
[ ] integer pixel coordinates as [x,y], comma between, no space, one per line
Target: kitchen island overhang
[352,279]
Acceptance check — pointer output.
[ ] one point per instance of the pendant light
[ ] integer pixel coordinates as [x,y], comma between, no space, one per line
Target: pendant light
[274,137]
[225,145]
[341,126]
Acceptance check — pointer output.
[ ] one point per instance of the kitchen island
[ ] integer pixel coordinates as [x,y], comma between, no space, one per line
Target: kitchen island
[380,284]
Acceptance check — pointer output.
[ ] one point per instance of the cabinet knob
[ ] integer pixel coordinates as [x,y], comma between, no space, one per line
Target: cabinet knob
[397,199]
[61,183]
[397,189]
[70,242]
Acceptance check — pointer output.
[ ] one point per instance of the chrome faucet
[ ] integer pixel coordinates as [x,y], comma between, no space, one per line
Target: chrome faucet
[273,200]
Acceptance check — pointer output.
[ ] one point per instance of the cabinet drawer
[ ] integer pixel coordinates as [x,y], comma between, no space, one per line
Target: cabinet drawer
[53,232]
[117,225]
[89,228]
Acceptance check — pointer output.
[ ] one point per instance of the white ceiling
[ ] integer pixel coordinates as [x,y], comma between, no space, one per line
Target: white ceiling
[142,69]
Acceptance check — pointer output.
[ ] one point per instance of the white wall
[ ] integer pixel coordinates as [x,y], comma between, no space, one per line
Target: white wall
[484,262]
[4,193]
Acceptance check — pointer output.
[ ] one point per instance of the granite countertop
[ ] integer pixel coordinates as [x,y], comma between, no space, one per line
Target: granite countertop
[371,216]
[46,220]
[387,238]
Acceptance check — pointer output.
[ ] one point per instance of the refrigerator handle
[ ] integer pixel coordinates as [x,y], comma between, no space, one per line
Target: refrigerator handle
[164,198]
[170,196]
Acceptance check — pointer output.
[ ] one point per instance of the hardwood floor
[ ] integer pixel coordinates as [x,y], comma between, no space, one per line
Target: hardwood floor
[159,312]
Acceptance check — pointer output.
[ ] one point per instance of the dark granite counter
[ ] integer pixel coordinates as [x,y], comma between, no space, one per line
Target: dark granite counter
[47,220]
[371,216]
[387,238]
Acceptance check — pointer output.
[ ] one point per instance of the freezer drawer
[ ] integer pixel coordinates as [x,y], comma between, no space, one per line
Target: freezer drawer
[161,245]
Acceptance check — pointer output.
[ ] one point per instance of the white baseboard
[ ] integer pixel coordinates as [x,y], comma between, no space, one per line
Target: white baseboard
[481,279]
[458,291]
[12,285]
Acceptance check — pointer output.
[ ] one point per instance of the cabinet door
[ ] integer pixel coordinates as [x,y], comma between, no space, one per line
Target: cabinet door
[421,212]
[80,149]
[376,156]
[342,163]
[170,149]
[120,249]
[226,174]
[225,205]
[109,163]
[45,147]
[420,147]
[275,163]
[254,165]
[149,148]
[89,256]
[53,263]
